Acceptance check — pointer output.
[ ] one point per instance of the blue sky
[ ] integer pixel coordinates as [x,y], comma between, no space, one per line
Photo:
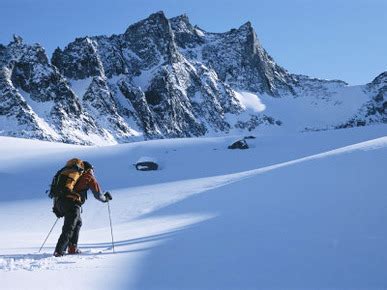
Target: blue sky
[332,39]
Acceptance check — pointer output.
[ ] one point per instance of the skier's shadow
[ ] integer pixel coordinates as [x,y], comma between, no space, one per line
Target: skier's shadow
[107,246]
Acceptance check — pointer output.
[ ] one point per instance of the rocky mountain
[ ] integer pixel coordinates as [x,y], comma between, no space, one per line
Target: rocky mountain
[167,78]
[373,111]
[36,100]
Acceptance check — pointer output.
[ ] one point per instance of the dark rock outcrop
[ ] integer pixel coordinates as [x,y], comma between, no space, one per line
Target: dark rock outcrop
[239,144]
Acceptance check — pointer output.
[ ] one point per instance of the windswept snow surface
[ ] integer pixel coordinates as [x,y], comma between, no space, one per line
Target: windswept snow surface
[313,112]
[294,211]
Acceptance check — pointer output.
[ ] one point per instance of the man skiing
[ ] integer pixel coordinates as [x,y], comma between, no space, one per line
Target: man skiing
[69,206]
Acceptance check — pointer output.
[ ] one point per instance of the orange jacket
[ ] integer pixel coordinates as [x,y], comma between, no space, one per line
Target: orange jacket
[88,181]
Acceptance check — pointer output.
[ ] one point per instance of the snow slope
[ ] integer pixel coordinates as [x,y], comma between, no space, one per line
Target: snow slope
[311,111]
[294,211]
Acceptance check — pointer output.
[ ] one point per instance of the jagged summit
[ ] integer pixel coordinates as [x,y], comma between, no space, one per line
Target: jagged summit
[156,20]
[17,39]
[246,27]
[164,77]
[181,22]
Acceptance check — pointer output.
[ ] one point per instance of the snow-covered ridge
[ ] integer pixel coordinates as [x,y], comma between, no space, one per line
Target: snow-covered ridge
[167,78]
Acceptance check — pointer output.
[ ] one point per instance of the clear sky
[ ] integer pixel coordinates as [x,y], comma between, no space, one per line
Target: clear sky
[331,39]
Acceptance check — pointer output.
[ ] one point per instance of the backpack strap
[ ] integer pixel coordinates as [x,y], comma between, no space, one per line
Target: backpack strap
[75,197]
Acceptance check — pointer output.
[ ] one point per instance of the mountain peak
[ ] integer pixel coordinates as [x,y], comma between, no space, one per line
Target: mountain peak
[17,39]
[156,20]
[181,18]
[246,25]
[157,14]
[181,24]
[246,28]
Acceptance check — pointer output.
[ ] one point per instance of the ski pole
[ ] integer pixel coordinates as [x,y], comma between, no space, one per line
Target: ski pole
[111,227]
[48,235]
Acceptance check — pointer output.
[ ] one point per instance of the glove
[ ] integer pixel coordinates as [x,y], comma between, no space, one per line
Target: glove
[108,196]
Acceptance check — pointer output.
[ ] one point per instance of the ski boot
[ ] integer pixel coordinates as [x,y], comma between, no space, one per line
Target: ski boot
[57,254]
[73,250]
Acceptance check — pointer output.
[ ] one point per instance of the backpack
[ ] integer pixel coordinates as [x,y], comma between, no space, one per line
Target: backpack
[63,183]
[65,179]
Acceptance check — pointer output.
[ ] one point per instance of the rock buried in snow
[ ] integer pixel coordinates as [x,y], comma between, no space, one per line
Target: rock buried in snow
[250,137]
[240,144]
[146,164]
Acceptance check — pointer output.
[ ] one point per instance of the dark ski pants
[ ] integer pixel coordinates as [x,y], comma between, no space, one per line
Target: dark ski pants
[71,227]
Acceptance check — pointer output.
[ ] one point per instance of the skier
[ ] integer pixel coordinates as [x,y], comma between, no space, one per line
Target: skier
[70,207]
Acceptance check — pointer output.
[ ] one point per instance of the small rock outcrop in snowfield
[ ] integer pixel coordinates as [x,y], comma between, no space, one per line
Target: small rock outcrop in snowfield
[161,78]
[146,164]
[239,144]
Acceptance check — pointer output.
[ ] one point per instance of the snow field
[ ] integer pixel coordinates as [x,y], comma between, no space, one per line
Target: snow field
[294,211]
